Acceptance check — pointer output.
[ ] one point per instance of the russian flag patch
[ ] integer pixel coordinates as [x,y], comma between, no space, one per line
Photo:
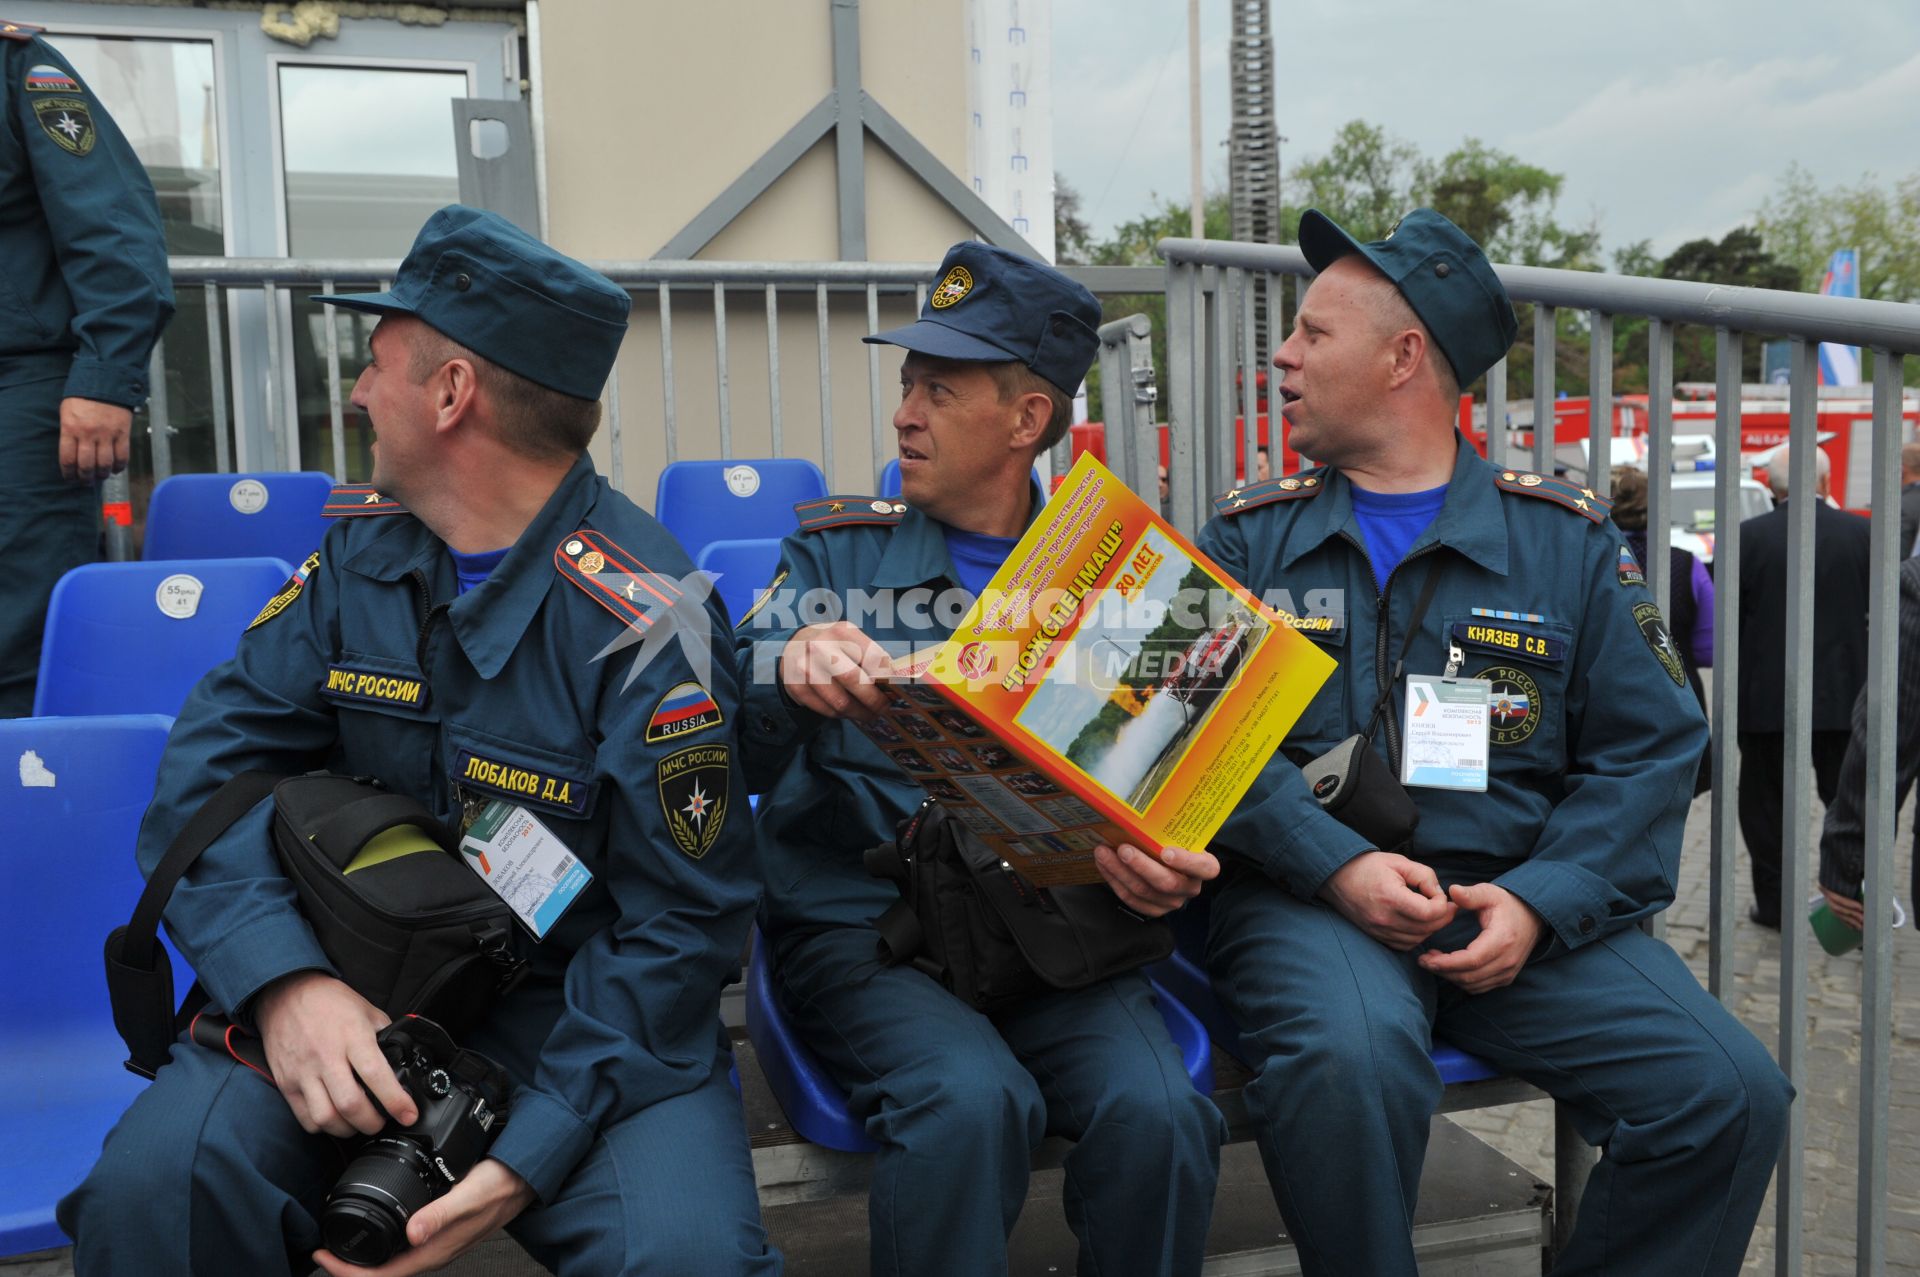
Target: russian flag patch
[50,79]
[685,709]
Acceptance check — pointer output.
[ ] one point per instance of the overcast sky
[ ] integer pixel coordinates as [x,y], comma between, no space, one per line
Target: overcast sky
[1669,119]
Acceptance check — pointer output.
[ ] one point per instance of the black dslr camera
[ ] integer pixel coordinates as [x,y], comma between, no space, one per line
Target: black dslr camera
[462,1096]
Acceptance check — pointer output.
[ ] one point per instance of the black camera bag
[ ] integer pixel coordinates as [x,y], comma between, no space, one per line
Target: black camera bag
[989,936]
[416,934]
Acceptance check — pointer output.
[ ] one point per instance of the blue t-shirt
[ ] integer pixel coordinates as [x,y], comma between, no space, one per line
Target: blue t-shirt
[976,556]
[472,569]
[1390,522]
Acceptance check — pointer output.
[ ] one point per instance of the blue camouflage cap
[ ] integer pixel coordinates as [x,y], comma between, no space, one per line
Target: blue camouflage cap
[482,281]
[991,306]
[1443,275]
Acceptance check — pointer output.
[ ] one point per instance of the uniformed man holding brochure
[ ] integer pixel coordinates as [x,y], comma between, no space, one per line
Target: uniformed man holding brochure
[955,1099]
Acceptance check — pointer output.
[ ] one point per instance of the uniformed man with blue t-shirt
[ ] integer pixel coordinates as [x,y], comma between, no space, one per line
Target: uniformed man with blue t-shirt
[1541,718]
[488,623]
[85,297]
[956,1100]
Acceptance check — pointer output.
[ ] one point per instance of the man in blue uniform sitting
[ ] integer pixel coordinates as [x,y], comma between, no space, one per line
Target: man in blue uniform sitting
[955,1099]
[1509,923]
[86,297]
[492,577]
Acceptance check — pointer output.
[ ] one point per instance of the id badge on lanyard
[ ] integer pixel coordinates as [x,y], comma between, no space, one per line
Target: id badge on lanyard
[1447,737]
[524,863]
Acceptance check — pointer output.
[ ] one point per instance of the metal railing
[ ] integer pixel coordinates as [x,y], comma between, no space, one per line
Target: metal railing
[1210,344]
[722,288]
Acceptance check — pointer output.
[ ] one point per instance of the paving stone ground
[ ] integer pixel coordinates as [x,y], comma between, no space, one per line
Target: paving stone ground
[1830,1096]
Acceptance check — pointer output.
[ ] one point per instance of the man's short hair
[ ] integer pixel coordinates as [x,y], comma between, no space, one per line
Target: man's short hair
[1016,379]
[1910,458]
[538,423]
[1395,314]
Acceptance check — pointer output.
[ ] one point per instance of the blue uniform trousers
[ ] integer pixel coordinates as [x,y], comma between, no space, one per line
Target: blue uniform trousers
[208,1172]
[1687,1106]
[957,1102]
[47,525]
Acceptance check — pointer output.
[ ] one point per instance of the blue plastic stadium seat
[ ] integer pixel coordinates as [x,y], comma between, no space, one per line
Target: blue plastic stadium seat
[1185,975]
[706,501]
[134,638]
[816,1105]
[235,516]
[75,790]
[741,569]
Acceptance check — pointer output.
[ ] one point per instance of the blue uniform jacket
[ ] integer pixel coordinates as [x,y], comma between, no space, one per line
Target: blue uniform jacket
[509,674]
[827,791]
[1596,737]
[84,289]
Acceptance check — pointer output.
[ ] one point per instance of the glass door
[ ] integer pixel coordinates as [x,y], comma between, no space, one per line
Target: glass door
[366,156]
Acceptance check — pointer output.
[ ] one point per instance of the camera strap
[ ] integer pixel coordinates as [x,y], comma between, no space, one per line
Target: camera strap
[1427,588]
[139,973]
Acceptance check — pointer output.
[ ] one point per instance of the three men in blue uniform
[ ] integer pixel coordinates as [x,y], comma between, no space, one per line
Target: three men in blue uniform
[955,1099]
[86,295]
[490,585]
[1508,925]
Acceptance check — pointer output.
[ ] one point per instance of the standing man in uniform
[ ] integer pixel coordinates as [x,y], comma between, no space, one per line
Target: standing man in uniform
[1508,924]
[955,1099]
[497,582]
[86,296]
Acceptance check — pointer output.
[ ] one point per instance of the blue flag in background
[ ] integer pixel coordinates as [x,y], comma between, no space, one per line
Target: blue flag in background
[1840,365]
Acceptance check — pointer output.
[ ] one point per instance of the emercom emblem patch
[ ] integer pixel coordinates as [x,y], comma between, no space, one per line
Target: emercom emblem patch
[68,121]
[957,284]
[1653,628]
[693,786]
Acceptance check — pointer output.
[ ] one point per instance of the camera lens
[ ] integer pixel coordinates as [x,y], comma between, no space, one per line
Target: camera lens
[365,1219]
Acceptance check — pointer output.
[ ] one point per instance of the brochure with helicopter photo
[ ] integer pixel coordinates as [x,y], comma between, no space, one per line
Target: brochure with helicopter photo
[1109,685]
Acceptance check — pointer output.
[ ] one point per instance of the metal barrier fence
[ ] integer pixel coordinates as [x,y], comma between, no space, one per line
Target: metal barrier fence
[265,286]
[1209,342]
[1211,351]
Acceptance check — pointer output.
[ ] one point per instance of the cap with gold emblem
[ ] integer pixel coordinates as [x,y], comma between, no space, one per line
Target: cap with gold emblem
[990,306]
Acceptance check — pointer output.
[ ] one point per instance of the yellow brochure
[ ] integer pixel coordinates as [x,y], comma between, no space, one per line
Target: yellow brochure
[1111,684]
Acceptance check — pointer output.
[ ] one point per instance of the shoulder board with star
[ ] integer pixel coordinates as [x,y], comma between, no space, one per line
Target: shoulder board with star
[358,500]
[613,578]
[1290,487]
[21,31]
[1581,500]
[844,512]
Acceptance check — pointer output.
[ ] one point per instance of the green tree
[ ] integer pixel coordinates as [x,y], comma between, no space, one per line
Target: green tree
[1802,225]
[1133,244]
[1072,236]
[1739,258]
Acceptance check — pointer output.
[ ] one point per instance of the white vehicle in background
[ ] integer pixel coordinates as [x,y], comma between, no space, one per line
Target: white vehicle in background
[1693,465]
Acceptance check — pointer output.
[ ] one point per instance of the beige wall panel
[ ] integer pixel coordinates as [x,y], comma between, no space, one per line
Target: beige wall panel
[914,61]
[906,221]
[796,220]
[654,107]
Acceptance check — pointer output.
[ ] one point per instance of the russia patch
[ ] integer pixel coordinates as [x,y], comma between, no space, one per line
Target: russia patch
[46,78]
[1630,573]
[288,592]
[684,710]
